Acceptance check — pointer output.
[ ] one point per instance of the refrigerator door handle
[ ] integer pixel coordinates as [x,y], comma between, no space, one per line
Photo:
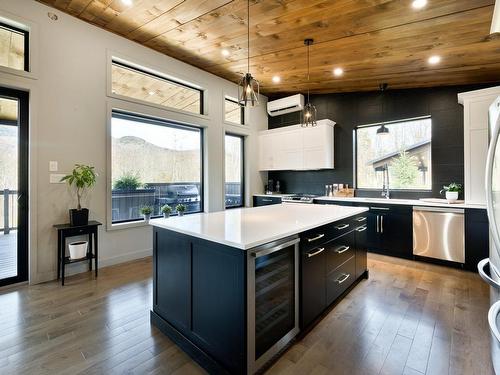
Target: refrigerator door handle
[489,188]
[481,267]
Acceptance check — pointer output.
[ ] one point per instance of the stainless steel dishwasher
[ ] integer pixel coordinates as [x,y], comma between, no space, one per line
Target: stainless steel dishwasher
[438,232]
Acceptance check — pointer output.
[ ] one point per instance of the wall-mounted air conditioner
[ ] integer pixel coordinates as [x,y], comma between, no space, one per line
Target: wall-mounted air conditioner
[289,104]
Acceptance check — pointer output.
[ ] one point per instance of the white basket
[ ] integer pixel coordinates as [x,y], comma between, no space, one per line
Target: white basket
[78,250]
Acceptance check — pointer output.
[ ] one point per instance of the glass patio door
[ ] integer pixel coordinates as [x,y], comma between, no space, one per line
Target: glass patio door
[13,186]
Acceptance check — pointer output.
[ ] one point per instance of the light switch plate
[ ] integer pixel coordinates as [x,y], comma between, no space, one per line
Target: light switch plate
[55,178]
[53,166]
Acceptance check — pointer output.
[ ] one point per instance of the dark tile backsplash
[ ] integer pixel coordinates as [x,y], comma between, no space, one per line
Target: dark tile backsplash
[352,109]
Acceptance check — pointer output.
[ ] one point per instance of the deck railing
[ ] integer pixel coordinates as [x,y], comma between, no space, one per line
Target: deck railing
[8,210]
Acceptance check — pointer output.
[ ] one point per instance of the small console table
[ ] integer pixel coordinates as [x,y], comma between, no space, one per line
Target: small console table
[63,232]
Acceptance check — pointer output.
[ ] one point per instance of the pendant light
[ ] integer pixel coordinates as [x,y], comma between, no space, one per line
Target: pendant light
[383,131]
[248,88]
[309,111]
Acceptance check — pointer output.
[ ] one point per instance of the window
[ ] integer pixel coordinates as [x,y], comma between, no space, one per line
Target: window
[14,47]
[154,163]
[234,171]
[152,88]
[405,151]
[233,111]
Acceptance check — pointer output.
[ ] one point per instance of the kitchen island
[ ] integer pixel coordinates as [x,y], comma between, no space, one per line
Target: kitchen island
[233,288]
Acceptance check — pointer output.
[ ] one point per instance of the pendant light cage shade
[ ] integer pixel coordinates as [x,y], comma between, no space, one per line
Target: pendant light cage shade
[248,91]
[309,116]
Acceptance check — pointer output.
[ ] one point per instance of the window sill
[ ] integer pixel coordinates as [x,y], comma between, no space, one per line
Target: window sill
[131,224]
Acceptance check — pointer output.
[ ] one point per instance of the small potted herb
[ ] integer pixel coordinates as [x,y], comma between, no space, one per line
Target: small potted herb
[452,191]
[180,208]
[166,210]
[146,211]
[82,178]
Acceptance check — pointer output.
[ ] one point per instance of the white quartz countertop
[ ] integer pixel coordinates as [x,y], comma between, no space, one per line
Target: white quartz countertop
[245,228]
[408,202]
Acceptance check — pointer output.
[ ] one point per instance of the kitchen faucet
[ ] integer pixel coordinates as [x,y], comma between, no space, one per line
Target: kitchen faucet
[385,183]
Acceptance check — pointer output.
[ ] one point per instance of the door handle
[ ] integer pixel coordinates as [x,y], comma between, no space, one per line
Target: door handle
[314,253]
[342,249]
[343,278]
[315,238]
[342,226]
[481,268]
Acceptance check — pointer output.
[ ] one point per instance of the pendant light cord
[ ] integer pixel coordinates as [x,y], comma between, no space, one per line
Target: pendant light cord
[308,78]
[248,34]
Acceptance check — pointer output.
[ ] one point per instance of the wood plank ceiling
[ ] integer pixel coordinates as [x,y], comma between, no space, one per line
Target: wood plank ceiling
[373,41]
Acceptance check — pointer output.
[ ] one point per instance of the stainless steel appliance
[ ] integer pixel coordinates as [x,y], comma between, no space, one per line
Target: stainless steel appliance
[299,198]
[272,299]
[489,268]
[439,233]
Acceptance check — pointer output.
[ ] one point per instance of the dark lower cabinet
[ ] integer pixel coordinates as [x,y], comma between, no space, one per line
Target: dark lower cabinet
[259,200]
[340,279]
[476,237]
[313,284]
[361,239]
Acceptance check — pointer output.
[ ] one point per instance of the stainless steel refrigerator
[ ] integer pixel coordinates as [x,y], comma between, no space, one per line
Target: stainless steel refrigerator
[489,268]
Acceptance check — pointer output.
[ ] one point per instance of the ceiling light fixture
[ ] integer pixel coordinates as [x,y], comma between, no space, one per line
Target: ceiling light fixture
[225,52]
[418,4]
[309,111]
[276,79]
[151,93]
[433,60]
[128,3]
[383,131]
[248,88]
[337,72]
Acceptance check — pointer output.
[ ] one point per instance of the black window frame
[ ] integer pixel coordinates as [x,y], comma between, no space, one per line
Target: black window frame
[26,35]
[355,153]
[243,163]
[149,120]
[162,78]
[242,111]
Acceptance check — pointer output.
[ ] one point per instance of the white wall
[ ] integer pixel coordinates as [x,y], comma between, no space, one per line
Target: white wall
[69,120]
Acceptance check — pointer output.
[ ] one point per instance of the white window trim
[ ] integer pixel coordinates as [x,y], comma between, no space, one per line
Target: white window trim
[224,121]
[163,114]
[133,62]
[32,29]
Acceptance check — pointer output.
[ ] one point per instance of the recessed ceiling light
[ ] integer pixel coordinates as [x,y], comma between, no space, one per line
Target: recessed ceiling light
[276,79]
[127,2]
[418,4]
[151,93]
[433,60]
[225,52]
[338,72]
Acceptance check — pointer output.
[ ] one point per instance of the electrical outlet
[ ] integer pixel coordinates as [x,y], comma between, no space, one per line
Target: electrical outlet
[55,178]
[53,166]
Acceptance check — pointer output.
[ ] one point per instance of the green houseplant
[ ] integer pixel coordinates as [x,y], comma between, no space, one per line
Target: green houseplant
[166,210]
[146,211]
[451,191]
[180,208]
[128,181]
[82,178]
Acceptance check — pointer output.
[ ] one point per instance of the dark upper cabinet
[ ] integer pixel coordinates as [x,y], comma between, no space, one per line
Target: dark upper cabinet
[265,200]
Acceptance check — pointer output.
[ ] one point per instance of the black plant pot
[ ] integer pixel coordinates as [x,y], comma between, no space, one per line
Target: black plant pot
[78,218]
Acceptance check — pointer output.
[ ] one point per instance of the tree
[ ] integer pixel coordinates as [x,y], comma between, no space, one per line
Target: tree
[404,170]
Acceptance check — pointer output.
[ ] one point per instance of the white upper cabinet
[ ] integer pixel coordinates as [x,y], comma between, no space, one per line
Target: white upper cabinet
[476,104]
[297,148]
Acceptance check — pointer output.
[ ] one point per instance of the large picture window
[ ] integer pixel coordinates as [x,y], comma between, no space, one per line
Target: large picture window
[154,163]
[234,173]
[14,47]
[402,147]
[152,88]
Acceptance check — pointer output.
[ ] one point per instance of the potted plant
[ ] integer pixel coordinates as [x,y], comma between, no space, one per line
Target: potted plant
[166,210]
[180,208]
[78,250]
[83,177]
[452,191]
[146,211]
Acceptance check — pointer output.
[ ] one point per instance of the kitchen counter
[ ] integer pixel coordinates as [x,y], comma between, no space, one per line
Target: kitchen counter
[406,202]
[245,228]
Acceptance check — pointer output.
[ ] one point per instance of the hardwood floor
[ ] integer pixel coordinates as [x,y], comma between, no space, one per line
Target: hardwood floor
[409,318]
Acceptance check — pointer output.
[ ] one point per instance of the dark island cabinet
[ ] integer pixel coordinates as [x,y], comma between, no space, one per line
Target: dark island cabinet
[259,200]
[202,298]
[313,284]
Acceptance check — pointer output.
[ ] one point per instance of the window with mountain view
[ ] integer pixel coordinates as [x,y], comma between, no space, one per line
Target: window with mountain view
[405,150]
[153,163]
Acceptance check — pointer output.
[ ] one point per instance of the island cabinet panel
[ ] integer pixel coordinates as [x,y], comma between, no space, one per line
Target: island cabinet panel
[340,279]
[313,284]
[172,270]
[219,303]
[361,235]
[339,250]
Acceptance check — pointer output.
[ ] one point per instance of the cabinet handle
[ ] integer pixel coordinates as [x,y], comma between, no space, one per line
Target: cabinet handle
[381,223]
[315,238]
[380,208]
[342,226]
[360,219]
[361,229]
[343,278]
[378,225]
[266,200]
[314,253]
[342,249]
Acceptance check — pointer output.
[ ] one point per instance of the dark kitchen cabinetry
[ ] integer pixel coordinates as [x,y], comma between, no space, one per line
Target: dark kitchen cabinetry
[265,201]
[476,237]
[313,284]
